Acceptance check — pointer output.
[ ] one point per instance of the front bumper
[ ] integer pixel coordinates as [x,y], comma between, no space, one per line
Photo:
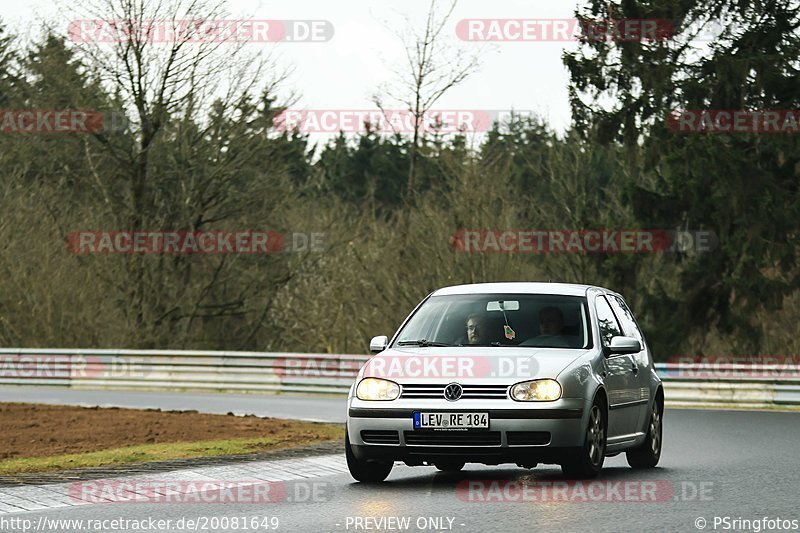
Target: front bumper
[523,433]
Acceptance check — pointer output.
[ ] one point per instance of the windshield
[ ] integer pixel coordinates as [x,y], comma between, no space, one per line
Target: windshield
[536,320]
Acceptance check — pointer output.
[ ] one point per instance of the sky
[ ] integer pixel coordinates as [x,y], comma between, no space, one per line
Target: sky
[346,71]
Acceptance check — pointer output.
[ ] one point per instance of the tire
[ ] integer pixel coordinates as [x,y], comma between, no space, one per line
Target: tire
[450,466]
[588,460]
[365,471]
[648,454]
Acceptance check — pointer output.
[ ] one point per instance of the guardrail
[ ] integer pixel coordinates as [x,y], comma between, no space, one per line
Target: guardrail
[180,370]
[752,385]
[275,373]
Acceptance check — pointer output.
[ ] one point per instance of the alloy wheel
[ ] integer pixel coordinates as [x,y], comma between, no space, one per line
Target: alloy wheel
[655,429]
[595,436]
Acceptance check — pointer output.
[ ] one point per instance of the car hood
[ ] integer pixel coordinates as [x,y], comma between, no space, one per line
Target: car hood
[469,365]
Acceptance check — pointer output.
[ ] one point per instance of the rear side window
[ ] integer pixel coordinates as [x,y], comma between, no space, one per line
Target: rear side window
[609,327]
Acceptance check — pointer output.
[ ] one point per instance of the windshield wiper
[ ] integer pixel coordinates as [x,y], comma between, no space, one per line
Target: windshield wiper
[492,344]
[422,343]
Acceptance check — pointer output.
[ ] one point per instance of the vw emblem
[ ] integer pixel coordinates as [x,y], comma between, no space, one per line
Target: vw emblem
[453,392]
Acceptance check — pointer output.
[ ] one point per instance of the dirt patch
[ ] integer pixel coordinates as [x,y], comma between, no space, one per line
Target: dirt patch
[37,430]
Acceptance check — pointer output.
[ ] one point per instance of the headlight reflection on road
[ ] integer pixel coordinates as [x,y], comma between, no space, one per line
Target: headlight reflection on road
[376,508]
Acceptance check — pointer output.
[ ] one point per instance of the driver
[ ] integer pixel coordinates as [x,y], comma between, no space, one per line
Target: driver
[475,329]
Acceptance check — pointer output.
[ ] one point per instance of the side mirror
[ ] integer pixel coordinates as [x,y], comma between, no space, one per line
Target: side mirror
[378,344]
[622,345]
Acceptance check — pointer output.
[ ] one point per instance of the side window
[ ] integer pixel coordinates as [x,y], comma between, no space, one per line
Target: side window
[609,327]
[626,318]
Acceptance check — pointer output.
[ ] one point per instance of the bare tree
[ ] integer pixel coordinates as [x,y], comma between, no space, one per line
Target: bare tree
[164,64]
[186,86]
[433,66]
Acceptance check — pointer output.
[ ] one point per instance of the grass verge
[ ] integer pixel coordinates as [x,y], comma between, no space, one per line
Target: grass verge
[163,452]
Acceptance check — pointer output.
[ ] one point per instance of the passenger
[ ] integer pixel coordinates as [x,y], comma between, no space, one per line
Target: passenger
[551,321]
[551,327]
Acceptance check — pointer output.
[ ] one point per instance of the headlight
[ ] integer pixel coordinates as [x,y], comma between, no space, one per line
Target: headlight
[541,390]
[377,389]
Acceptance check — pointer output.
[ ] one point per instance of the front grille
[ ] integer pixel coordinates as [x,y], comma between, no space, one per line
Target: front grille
[471,392]
[380,437]
[527,438]
[452,438]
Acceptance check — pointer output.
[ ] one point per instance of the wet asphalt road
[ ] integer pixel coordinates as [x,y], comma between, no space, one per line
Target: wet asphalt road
[734,464]
[314,408]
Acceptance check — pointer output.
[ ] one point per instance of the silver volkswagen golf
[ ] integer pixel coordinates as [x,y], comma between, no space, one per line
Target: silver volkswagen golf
[522,373]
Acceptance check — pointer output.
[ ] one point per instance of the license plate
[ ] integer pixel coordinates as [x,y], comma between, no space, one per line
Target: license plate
[450,421]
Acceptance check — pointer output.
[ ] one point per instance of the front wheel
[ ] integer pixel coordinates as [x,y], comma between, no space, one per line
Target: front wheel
[365,471]
[648,454]
[588,461]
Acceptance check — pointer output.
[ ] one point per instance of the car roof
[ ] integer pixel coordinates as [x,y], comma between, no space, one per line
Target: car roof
[520,287]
